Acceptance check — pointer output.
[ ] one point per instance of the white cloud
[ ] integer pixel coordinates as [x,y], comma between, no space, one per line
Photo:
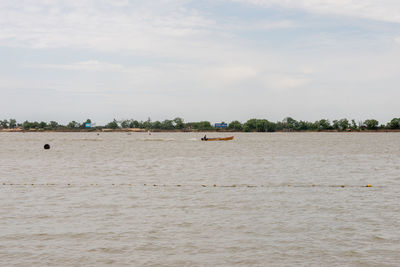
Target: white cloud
[161,28]
[90,65]
[281,81]
[282,24]
[382,10]
[111,25]
[233,73]
[260,25]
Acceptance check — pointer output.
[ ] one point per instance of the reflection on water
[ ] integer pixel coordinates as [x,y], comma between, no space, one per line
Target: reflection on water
[261,199]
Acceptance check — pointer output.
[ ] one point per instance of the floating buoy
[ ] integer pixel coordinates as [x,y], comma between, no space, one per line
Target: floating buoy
[46,146]
[214,185]
[368,185]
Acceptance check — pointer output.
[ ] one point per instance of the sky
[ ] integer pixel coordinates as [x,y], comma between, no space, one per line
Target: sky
[215,60]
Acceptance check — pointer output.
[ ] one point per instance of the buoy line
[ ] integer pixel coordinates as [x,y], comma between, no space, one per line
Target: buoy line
[179,185]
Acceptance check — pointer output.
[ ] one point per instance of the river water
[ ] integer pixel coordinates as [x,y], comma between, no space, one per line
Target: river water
[267,199]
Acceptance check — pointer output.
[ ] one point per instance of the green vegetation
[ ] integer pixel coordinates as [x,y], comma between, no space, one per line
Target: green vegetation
[371,124]
[112,125]
[394,123]
[255,125]
[235,126]
[177,124]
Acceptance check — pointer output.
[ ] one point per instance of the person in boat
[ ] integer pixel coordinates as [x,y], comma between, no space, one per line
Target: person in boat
[205,137]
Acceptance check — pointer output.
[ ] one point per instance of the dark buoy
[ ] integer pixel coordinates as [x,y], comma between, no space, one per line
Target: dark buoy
[46,146]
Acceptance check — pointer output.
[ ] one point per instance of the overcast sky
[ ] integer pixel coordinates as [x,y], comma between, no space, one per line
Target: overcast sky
[215,60]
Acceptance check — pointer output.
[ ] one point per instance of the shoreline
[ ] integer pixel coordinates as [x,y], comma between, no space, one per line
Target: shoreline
[128,130]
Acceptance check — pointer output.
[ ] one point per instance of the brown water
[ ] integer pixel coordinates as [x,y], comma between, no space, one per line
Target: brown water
[140,200]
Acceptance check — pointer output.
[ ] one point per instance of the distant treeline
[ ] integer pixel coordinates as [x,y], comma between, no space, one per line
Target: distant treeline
[252,125]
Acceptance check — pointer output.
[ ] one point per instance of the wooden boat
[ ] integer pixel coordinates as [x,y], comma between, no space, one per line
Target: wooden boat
[217,139]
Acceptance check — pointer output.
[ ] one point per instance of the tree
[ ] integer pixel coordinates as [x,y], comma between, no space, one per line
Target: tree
[156,125]
[335,125]
[4,124]
[354,124]
[133,124]
[289,123]
[344,124]
[235,125]
[12,124]
[250,125]
[205,125]
[26,125]
[30,125]
[394,123]
[179,124]
[73,125]
[125,123]
[167,125]
[146,124]
[202,125]
[259,126]
[270,126]
[323,124]
[53,124]
[279,126]
[112,125]
[42,125]
[303,125]
[371,124]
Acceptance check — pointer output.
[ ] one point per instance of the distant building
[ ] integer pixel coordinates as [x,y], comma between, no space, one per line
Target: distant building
[221,125]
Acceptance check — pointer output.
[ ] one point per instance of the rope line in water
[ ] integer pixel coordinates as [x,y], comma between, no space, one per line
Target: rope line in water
[176,185]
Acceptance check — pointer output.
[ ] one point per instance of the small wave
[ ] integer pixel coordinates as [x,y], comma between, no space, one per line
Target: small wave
[88,139]
[158,139]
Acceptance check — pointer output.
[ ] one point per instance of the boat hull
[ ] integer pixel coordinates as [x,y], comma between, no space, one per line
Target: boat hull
[218,139]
